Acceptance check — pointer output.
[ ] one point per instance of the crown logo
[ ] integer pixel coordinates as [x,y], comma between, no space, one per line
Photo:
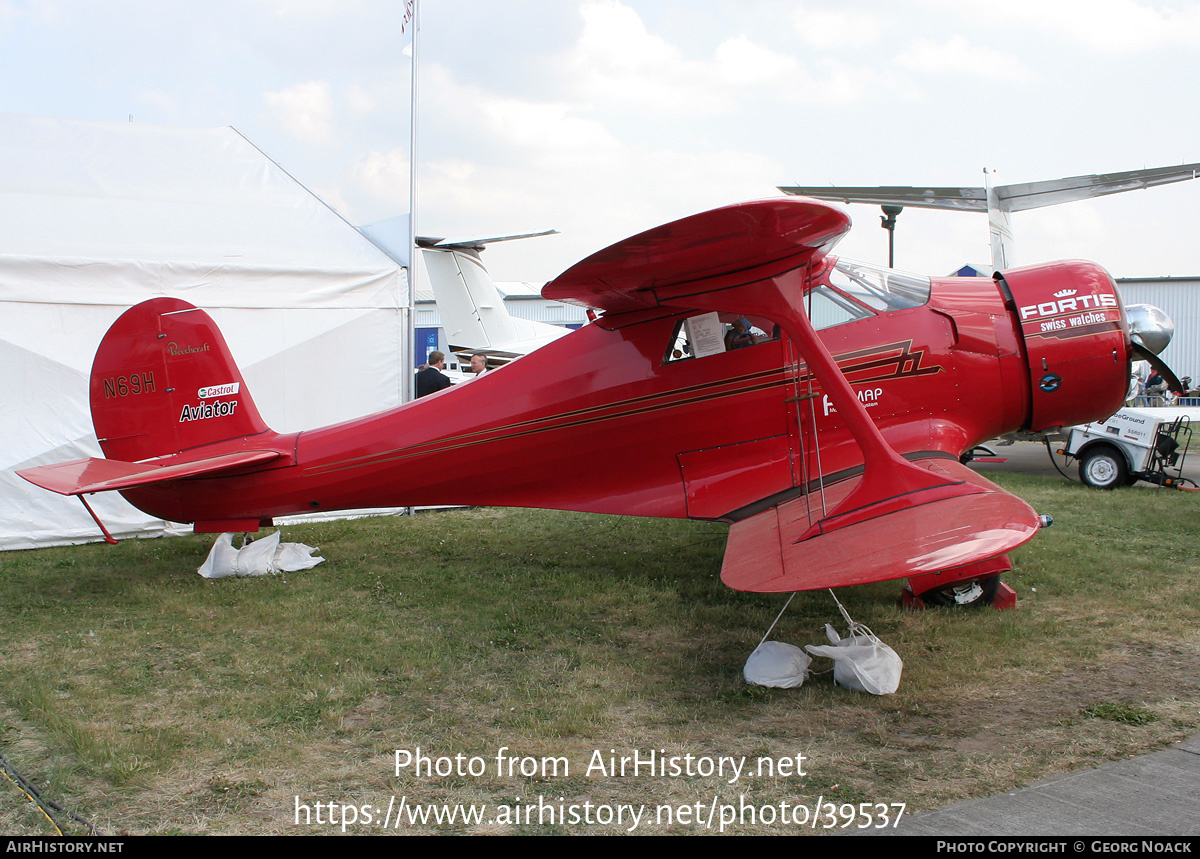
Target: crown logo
[1064,293]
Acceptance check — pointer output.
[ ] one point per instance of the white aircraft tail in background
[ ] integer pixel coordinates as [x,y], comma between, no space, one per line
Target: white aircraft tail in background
[1000,200]
[472,309]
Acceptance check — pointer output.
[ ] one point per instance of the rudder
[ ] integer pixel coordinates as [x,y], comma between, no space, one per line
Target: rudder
[164,381]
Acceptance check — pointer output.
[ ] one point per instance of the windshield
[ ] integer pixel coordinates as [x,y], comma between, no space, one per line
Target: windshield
[880,289]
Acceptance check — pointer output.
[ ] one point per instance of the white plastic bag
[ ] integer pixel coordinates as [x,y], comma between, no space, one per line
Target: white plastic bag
[776,664]
[263,556]
[861,662]
[254,559]
[291,557]
[221,560]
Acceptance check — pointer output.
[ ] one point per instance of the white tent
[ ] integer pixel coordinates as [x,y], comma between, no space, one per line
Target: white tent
[96,217]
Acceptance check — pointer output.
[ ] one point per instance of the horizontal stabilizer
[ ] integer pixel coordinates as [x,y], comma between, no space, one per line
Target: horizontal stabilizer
[766,553]
[101,475]
[475,244]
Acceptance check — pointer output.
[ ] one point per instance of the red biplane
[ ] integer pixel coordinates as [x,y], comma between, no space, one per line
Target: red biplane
[827,432]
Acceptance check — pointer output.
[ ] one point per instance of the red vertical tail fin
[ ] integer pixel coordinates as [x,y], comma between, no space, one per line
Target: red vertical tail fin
[164,381]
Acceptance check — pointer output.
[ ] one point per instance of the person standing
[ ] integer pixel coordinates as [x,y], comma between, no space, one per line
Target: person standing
[431,379]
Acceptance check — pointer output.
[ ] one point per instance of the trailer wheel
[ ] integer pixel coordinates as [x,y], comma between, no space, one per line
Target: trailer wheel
[962,594]
[1103,467]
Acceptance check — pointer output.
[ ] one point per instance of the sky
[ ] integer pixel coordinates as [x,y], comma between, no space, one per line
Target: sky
[602,118]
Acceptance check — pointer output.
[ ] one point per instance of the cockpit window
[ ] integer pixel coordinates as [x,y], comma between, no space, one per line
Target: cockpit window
[827,307]
[854,291]
[715,333]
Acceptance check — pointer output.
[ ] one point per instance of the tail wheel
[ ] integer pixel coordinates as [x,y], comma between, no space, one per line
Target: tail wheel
[965,593]
[1103,467]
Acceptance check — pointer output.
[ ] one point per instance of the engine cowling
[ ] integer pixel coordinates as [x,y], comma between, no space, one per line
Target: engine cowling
[1076,340]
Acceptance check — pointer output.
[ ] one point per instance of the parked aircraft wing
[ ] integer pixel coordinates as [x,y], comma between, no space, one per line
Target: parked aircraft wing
[967,199]
[1000,200]
[1033,195]
[1010,198]
[770,552]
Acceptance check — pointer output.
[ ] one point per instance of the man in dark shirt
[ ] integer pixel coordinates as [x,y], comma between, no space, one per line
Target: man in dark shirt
[431,379]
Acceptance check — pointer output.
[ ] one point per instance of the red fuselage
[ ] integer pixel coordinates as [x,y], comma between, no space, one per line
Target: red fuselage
[603,420]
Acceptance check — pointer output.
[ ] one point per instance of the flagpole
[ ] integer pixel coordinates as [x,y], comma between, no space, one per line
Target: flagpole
[415,23]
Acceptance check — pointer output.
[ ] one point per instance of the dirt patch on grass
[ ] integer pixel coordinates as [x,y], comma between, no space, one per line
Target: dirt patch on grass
[1055,710]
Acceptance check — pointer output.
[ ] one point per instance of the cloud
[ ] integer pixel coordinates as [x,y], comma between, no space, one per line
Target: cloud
[592,160]
[614,33]
[547,129]
[381,177]
[526,164]
[163,103]
[304,111]
[309,10]
[837,28]
[361,101]
[618,62]
[607,192]
[958,56]
[741,62]
[8,14]
[1111,26]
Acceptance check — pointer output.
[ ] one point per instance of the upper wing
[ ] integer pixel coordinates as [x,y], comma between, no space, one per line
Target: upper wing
[893,519]
[695,253]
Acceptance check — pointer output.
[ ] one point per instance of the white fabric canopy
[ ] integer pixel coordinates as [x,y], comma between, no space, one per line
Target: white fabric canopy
[96,217]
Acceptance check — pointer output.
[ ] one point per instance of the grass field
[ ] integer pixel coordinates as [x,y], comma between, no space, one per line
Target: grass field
[149,700]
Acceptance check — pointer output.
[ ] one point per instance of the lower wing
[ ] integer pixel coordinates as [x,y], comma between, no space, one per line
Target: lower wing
[780,550]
